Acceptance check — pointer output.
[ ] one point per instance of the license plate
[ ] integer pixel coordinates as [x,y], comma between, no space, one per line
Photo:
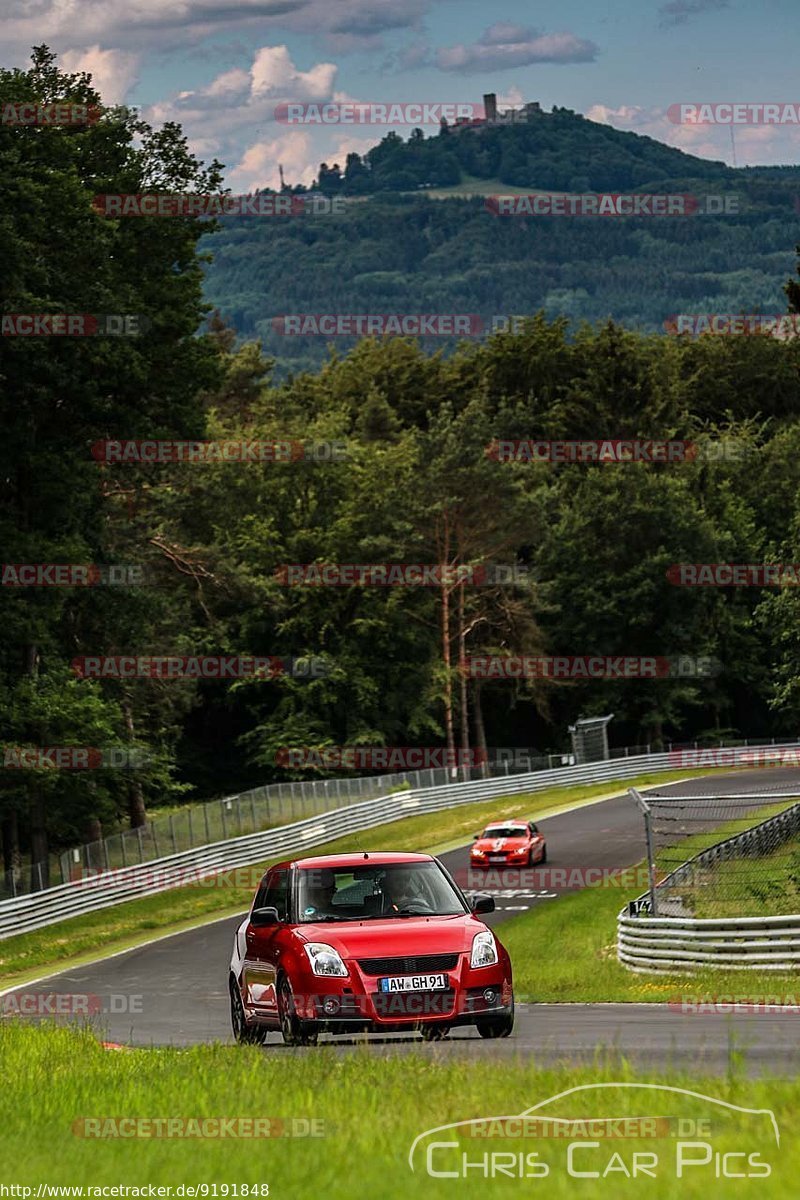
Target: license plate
[497,858]
[412,983]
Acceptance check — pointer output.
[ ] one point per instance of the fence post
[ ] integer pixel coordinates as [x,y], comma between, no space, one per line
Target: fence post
[155,837]
[253,808]
[191,831]
[205,817]
[648,834]
[172,833]
[141,844]
[224,822]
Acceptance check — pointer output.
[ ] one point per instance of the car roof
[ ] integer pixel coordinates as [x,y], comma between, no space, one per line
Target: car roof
[377,857]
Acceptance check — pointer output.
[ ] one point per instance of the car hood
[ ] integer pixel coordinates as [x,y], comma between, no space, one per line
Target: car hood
[499,845]
[396,936]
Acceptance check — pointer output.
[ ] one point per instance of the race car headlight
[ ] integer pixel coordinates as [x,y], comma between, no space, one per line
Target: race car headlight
[324,959]
[484,950]
[477,853]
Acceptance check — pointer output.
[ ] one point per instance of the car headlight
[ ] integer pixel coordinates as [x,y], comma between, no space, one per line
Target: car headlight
[478,853]
[484,950]
[324,959]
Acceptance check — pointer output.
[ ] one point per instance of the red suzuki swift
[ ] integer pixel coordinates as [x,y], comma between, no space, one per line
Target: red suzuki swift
[379,942]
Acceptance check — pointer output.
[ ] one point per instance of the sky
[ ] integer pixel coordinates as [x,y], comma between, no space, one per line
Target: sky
[222,67]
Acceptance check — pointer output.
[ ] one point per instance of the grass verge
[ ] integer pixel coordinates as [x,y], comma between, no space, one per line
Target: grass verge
[368,1110]
[565,951]
[83,939]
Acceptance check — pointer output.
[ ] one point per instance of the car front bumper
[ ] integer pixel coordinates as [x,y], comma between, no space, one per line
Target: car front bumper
[339,1004]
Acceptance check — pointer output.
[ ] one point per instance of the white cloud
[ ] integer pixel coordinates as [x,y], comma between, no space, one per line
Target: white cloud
[155,25]
[273,74]
[503,45]
[114,72]
[755,145]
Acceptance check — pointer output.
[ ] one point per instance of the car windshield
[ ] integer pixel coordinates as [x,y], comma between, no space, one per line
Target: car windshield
[416,889]
[501,831]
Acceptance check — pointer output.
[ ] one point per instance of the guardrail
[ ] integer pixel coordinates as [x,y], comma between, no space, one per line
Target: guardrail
[252,811]
[674,942]
[33,911]
[663,945]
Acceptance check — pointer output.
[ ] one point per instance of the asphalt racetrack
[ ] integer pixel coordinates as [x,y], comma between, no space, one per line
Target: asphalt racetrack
[175,989]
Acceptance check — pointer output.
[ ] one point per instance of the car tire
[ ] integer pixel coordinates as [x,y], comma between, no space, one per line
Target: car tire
[294,1031]
[434,1033]
[245,1035]
[543,859]
[497,1027]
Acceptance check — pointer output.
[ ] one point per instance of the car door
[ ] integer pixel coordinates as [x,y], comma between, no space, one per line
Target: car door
[263,948]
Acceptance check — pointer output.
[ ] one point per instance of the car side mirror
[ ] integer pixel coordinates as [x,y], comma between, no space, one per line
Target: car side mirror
[264,916]
[475,837]
[481,902]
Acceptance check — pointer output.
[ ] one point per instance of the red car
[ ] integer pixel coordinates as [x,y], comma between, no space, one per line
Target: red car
[379,942]
[514,843]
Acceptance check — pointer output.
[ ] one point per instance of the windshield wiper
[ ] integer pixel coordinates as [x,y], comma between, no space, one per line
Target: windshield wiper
[328,917]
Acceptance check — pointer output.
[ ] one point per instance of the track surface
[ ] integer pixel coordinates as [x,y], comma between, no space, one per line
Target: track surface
[174,992]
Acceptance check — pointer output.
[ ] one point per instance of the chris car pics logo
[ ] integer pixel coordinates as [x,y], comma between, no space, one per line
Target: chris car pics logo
[606,1131]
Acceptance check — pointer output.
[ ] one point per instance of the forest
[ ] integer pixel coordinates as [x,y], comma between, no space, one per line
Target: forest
[189,558]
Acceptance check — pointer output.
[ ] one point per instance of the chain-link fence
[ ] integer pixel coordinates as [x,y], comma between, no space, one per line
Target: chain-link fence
[250,812]
[721,856]
[278,803]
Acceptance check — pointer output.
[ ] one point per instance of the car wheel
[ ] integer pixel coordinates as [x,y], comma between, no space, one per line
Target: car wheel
[543,859]
[497,1027]
[434,1033]
[246,1035]
[294,1031]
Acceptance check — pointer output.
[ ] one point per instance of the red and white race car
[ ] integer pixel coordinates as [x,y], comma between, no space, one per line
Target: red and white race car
[514,843]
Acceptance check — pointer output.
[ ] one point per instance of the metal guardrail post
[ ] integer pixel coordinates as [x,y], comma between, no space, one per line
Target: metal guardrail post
[648,834]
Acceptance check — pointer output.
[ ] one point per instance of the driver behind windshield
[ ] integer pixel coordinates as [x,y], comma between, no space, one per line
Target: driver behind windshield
[402,889]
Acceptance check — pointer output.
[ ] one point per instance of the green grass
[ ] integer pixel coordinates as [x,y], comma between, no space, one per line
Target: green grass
[747,887]
[369,1108]
[82,939]
[470,186]
[564,951]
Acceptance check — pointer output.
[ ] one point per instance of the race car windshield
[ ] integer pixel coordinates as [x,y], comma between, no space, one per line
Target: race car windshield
[375,893]
[502,831]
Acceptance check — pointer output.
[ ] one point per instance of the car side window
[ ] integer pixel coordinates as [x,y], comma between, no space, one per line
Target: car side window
[276,894]
[533,828]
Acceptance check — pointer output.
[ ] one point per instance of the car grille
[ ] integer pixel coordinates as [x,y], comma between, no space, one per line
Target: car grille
[414,1004]
[414,965]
